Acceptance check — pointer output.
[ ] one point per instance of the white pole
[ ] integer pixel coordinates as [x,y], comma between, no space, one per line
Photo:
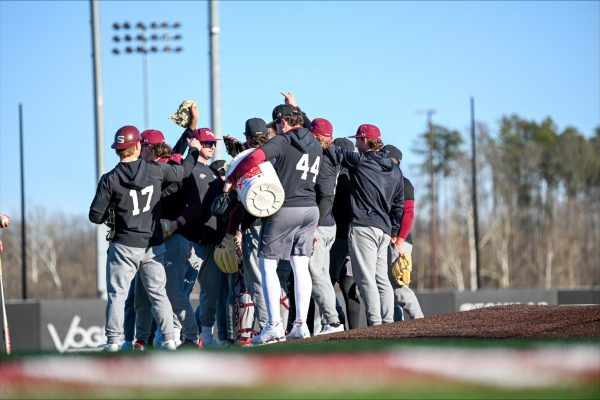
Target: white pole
[215,72]
[101,244]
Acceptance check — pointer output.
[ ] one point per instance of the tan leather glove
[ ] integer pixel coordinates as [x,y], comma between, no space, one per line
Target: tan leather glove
[182,116]
[166,227]
[226,254]
[402,268]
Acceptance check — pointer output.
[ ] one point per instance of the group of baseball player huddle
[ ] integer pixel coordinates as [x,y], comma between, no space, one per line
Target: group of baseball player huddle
[292,214]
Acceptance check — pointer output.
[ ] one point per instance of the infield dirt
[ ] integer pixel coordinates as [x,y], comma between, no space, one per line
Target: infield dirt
[516,321]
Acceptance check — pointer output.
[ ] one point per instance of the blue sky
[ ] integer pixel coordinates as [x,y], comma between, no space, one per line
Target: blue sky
[351,62]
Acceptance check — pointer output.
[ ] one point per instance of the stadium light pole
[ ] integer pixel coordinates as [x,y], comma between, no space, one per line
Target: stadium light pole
[215,72]
[101,244]
[144,40]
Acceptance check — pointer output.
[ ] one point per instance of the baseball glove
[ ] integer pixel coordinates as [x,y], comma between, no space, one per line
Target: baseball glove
[233,146]
[166,228]
[182,116]
[402,268]
[223,203]
[226,254]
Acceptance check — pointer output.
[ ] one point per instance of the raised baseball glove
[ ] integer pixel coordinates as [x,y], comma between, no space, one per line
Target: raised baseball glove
[226,254]
[233,146]
[182,116]
[223,203]
[402,268]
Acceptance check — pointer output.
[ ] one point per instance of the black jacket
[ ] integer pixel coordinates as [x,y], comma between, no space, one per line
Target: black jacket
[377,189]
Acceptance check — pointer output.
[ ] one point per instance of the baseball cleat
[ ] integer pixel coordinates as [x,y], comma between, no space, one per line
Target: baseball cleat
[139,345]
[271,333]
[245,341]
[110,347]
[188,344]
[299,331]
[127,345]
[327,329]
[169,345]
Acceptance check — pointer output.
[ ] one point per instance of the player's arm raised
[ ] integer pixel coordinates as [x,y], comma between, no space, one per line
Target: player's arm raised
[176,173]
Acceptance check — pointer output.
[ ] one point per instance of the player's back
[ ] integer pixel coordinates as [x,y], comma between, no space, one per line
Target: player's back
[135,190]
[298,158]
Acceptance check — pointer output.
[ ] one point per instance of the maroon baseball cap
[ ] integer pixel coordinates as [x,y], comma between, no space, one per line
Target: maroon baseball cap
[205,135]
[152,136]
[176,158]
[367,131]
[321,127]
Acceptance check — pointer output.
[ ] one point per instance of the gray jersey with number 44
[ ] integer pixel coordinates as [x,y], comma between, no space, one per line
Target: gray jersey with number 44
[297,156]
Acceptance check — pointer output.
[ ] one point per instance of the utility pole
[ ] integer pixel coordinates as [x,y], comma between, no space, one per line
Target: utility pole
[474,196]
[435,281]
[23,212]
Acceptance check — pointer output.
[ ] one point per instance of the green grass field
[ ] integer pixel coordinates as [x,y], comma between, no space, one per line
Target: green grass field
[398,369]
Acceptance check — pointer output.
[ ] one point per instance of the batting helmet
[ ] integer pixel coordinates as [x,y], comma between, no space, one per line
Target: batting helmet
[126,137]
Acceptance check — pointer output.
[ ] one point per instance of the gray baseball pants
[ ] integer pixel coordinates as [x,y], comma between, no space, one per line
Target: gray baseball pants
[176,268]
[322,289]
[212,281]
[368,251]
[121,266]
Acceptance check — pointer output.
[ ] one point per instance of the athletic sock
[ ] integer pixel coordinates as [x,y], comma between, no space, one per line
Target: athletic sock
[271,287]
[302,286]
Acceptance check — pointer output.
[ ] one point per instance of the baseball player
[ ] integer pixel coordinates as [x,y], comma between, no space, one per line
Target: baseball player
[289,233]
[257,133]
[133,190]
[322,288]
[196,232]
[155,148]
[377,201]
[404,296]
[340,267]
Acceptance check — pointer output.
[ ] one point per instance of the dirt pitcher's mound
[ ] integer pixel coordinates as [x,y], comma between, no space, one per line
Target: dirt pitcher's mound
[501,322]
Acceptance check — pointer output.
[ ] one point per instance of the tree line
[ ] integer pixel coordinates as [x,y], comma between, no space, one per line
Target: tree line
[538,193]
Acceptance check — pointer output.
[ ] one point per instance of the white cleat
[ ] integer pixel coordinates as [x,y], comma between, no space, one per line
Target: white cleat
[299,331]
[110,347]
[327,329]
[271,333]
[169,345]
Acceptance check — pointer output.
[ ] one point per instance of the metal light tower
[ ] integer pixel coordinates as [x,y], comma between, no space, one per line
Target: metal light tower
[145,39]
[215,72]
[101,244]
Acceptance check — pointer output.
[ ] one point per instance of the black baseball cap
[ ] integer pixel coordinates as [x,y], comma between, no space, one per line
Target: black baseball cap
[283,110]
[256,127]
[394,151]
